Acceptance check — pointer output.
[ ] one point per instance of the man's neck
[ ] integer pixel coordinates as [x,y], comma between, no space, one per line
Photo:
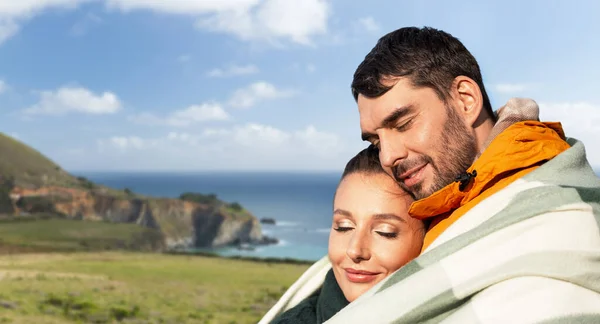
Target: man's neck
[482,133]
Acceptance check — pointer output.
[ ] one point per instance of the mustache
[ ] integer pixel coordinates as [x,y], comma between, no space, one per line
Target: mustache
[404,166]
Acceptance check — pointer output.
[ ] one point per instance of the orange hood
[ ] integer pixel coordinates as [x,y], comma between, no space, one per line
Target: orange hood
[514,152]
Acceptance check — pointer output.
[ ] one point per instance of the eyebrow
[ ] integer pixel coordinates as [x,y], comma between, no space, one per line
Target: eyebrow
[383,216]
[388,216]
[343,212]
[391,120]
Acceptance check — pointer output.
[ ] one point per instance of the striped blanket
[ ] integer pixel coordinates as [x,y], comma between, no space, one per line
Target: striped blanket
[528,254]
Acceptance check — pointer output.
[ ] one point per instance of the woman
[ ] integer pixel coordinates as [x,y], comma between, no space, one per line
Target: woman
[372,236]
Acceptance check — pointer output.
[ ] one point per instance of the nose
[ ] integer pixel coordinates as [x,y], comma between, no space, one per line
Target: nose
[358,247]
[391,150]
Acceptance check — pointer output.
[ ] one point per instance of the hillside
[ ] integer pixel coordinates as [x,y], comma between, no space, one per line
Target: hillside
[29,168]
[31,184]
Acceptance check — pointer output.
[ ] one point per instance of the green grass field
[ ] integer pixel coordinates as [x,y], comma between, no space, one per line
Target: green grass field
[109,287]
[59,271]
[64,235]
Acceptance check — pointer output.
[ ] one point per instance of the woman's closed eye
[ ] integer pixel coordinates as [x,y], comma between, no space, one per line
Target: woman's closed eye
[343,229]
[387,234]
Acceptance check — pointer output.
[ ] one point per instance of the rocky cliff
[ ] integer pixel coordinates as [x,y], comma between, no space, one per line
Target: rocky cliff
[184,223]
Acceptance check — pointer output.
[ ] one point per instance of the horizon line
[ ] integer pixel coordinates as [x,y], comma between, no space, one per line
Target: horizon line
[206,171]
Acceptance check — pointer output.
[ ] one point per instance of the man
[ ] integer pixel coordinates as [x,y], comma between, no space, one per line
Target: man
[514,206]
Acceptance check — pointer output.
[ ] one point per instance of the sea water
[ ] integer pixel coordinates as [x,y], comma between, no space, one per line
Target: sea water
[300,203]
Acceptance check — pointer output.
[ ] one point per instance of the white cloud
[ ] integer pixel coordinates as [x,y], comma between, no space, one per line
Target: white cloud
[124,143]
[3,86]
[184,7]
[512,88]
[251,20]
[580,117]
[253,135]
[369,24]
[257,92]
[259,136]
[82,26]
[242,98]
[215,132]
[77,100]
[247,146]
[184,117]
[580,120]
[319,141]
[270,20]
[233,70]
[29,7]
[178,136]
[127,142]
[308,67]
[8,29]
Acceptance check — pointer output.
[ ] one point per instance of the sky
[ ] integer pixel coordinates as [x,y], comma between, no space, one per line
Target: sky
[203,85]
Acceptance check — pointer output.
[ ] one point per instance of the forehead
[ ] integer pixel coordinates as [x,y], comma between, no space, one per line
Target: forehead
[373,111]
[372,193]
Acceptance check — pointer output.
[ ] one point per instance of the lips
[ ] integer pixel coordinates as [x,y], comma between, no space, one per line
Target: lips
[412,176]
[360,276]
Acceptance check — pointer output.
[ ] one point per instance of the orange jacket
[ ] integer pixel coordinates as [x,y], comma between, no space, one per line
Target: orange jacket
[518,150]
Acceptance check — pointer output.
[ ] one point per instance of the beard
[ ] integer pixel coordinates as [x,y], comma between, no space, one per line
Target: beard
[456,151]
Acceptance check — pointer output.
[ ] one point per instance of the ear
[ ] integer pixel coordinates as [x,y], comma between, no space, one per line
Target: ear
[468,99]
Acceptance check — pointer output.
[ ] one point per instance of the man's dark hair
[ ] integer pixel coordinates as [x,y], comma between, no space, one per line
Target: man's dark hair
[427,56]
[366,161]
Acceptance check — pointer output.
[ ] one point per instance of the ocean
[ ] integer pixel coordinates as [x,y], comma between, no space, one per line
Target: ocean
[301,203]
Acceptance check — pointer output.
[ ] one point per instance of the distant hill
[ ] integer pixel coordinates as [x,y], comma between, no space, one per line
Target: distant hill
[31,184]
[30,168]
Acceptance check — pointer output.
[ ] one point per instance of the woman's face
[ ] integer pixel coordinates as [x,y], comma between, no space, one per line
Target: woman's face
[372,235]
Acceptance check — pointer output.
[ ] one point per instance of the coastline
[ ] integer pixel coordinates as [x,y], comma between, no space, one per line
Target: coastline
[269,260]
[298,203]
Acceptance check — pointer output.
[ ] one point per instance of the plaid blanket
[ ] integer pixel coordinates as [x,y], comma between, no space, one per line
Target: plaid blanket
[528,254]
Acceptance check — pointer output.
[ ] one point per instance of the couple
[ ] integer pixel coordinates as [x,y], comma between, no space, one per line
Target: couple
[460,214]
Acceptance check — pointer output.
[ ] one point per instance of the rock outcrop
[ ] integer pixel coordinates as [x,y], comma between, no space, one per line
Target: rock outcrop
[185,224]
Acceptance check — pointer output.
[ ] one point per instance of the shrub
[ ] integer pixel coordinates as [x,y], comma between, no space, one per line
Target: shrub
[86,183]
[199,198]
[236,206]
[6,186]
[36,204]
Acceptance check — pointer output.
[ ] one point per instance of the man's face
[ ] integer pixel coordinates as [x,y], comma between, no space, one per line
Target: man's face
[424,143]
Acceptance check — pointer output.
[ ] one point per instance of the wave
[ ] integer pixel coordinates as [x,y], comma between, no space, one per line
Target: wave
[286,223]
[323,230]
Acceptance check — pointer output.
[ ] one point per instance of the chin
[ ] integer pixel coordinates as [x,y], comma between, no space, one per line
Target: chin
[425,190]
[354,292]
[351,297]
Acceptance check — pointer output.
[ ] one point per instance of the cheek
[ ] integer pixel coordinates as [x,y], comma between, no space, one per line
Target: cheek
[337,247]
[392,255]
[423,138]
